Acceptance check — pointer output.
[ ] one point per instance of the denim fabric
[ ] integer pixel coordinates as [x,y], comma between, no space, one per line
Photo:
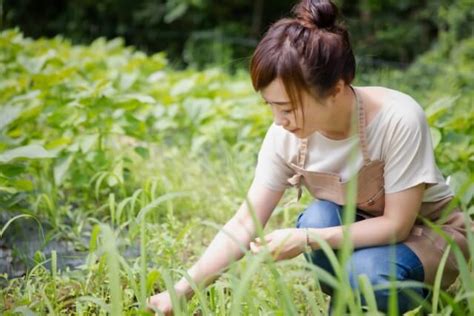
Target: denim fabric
[378,263]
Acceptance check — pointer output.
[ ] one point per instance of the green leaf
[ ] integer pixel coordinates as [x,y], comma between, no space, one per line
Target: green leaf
[87,142]
[8,190]
[93,239]
[27,152]
[24,310]
[23,185]
[34,65]
[176,12]
[12,170]
[112,181]
[435,136]
[8,114]
[183,86]
[439,107]
[61,168]
[142,151]
[25,98]
[463,186]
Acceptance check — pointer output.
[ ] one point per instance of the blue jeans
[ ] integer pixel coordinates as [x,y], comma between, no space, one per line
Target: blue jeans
[376,262]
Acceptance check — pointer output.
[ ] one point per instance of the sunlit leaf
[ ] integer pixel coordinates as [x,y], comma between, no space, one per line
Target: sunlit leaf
[8,114]
[183,86]
[61,168]
[176,12]
[87,142]
[25,152]
[435,136]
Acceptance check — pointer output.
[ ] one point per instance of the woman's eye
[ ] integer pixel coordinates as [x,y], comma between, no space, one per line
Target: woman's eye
[287,111]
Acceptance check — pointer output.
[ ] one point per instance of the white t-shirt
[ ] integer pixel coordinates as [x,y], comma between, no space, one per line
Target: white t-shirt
[399,135]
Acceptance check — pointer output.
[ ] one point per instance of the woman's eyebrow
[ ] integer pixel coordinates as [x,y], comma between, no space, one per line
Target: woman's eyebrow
[277,102]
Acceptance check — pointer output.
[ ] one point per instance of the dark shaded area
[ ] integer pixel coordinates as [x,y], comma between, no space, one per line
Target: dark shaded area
[28,243]
[203,32]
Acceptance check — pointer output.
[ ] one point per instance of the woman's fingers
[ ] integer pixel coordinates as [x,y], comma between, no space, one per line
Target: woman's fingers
[267,239]
[253,247]
[257,245]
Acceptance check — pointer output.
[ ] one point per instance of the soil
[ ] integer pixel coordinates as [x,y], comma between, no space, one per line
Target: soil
[25,239]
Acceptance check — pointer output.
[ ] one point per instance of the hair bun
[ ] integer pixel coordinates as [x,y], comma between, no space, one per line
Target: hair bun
[316,13]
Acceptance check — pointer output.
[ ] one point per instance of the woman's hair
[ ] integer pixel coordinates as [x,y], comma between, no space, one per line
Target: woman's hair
[310,51]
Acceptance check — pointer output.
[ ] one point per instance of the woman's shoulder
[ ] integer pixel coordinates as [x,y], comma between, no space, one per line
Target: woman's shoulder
[393,106]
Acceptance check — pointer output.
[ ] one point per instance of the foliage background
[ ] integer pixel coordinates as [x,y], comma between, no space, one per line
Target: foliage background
[388,30]
[94,131]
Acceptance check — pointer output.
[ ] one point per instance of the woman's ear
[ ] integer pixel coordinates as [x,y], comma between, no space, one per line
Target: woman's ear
[336,92]
[338,89]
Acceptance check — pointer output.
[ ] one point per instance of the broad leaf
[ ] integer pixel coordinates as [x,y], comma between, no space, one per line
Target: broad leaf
[26,152]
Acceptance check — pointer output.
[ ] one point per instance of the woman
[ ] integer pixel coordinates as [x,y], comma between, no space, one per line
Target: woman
[303,68]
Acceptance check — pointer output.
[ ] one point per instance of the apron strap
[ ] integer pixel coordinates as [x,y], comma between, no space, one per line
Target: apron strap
[302,152]
[300,161]
[361,127]
[303,146]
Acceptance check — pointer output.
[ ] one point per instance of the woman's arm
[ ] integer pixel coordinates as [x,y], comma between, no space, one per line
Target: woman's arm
[394,225]
[224,249]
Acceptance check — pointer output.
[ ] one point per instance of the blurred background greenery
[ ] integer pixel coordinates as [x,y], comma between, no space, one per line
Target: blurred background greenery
[388,32]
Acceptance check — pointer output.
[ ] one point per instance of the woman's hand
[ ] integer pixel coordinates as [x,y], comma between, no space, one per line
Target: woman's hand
[282,243]
[161,302]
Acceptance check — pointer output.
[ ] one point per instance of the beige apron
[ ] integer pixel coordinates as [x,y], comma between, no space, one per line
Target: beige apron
[427,244]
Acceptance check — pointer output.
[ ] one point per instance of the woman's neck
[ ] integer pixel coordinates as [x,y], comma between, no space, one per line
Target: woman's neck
[344,109]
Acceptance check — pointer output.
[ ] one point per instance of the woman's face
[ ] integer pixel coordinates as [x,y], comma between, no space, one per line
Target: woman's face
[316,115]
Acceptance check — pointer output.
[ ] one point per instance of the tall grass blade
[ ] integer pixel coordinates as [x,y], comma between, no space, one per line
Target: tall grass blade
[112,208]
[438,278]
[141,217]
[10,221]
[113,270]
[131,278]
[343,295]
[242,286]
[467,280]
[198,292]
[368,293]
[175,301]
[143,262]
[54,268]
[48,303]
[393,290]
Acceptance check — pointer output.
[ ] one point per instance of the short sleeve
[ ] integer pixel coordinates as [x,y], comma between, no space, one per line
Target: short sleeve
[272,170]
[409,157]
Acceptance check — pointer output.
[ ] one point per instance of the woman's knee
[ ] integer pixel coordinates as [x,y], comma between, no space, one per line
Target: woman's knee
[380,270]
[319,214]
[367,262]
